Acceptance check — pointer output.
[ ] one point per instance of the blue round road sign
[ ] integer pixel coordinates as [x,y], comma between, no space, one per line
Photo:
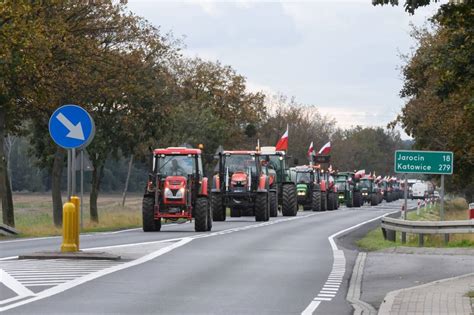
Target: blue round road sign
[71,127]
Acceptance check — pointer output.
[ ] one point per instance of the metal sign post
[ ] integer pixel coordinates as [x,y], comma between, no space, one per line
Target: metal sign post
[405,193]
[441,212]
[82,189]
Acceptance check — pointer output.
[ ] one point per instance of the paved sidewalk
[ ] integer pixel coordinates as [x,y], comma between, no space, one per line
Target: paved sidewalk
[446,296]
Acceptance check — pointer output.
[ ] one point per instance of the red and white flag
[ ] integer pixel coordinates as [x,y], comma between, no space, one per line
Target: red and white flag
[282,144]
[311,150]
[326,149]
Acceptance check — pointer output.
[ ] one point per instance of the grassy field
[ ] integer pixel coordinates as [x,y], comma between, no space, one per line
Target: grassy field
[34,217]
[455,209]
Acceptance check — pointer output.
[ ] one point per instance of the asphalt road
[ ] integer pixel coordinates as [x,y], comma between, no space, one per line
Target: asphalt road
[241,267]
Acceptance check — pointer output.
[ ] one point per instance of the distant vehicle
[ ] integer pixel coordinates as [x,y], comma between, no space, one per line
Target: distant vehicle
[422,190]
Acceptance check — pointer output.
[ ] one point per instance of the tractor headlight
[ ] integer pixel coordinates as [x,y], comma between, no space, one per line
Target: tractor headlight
[179,193]
[168,193]
[364,194]
[301,193]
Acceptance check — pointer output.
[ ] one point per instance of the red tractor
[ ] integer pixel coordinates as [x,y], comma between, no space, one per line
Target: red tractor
[242,185]
[176,189]
[329,200]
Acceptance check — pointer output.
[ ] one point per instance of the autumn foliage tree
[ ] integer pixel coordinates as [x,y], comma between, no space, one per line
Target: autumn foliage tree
[439,87]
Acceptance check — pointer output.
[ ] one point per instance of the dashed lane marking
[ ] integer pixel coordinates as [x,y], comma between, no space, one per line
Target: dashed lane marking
[334,280]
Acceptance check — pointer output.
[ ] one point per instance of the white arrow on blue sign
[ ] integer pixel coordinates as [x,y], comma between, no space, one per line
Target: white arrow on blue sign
[71,127]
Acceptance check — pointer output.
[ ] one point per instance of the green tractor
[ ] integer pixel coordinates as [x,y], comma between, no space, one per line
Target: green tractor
[369,190]
[307,187]
[285,189]
[348,192]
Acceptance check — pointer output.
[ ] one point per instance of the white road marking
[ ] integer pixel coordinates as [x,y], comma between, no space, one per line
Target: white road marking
[326,295]
[14,284]
[61,286]
[51,272]
[338,268]
[70,284]
[319,299]
[311,307]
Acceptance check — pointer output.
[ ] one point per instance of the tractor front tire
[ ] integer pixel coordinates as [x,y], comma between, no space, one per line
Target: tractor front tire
[289,206]
[316,201]
[201,215]
[262,211]
[374,200]
[331,201]
[357,199]
[218,209]
[324,202]
[273,204]
[350,201]
[148,215]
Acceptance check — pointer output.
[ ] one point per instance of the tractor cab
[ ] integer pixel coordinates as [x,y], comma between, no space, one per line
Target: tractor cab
[176,189]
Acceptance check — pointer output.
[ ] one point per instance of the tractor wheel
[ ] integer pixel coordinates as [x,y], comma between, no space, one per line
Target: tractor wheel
[324,202]
[389,197]
[350,201]
[332,201]
[373,200]
[148,215]
[289,203]
[218,209]
[273,204]
[261,207]
[357,196]
[235,212]
[201,214]
[316,201]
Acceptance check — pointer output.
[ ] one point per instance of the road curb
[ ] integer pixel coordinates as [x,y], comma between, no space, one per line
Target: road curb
[387,303]
[71,255]
[355,288]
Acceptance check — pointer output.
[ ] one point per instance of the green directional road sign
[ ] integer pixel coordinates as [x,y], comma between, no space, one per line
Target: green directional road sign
[423,162]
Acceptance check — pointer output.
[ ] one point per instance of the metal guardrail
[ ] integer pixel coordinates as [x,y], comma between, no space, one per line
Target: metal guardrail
[7,230]
[391,225]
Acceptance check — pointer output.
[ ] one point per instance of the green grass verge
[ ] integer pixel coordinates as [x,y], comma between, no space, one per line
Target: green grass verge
[455,210]
[470,294]
[374,240]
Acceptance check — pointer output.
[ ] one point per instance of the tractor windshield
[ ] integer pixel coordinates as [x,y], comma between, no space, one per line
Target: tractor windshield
[176,165]
[240,163]
[303,177]
[341,186]
[364,183]
[275,162]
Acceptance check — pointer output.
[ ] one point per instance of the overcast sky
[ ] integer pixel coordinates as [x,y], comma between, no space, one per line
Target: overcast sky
[341,55]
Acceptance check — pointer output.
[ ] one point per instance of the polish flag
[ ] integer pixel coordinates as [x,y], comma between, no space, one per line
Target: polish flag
[311,149]
[282,144]
[326,149]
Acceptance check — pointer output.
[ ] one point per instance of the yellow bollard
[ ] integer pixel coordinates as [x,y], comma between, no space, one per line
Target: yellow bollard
[77,202]
[69,219]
